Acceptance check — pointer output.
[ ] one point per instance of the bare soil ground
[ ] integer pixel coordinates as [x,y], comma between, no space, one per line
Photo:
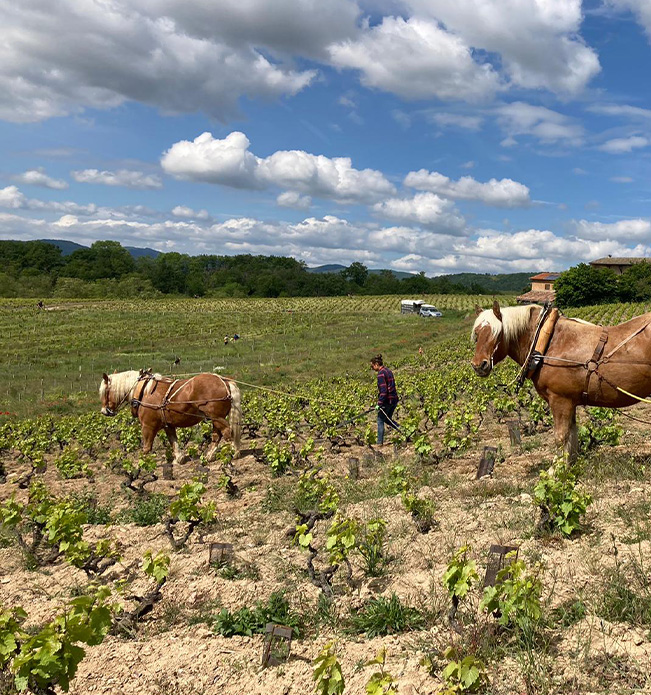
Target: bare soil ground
[176,651]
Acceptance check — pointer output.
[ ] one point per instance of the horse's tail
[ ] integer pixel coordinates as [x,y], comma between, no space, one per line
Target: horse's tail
[235,417]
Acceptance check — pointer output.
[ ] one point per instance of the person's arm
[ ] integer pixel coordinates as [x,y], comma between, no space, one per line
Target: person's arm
[382,389]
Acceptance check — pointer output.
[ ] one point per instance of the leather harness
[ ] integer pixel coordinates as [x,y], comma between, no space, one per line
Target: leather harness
[593,364]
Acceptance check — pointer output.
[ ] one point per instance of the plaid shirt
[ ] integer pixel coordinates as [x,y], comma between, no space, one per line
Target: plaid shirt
[386,387]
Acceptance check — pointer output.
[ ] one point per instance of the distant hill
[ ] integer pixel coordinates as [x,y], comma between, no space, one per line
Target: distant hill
[506,282]
[330,268]
[68,247]
[137,252]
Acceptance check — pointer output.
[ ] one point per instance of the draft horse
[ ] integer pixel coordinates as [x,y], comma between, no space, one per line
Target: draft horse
[162,403]
[583,364]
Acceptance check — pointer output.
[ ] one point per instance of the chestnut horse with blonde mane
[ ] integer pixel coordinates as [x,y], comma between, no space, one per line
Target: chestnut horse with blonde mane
[162,403]
[584,364]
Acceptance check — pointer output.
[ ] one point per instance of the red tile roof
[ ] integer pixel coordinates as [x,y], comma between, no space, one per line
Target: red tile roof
[536,297]
[549,277]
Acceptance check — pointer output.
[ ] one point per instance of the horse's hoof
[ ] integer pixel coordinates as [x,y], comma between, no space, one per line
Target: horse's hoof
[181,459]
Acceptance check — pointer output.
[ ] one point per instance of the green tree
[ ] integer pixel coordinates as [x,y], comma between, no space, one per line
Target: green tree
[104,259]
[356,273]
[583,284]
[635,283]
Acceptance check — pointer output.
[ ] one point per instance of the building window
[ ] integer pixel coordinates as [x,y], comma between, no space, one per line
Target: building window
[548,286]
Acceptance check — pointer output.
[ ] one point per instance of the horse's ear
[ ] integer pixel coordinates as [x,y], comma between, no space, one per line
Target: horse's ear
[478,310]
[105,377]
[496,309]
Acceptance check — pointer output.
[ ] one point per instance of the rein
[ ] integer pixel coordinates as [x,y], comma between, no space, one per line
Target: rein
[524,370]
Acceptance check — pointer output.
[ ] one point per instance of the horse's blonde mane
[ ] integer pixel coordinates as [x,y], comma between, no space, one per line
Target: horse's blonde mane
[515,320]
[121,384]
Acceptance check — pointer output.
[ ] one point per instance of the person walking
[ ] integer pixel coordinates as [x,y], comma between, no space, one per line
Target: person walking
[387,398]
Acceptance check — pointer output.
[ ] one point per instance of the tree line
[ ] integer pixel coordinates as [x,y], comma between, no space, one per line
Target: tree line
[107,269]
[584,285]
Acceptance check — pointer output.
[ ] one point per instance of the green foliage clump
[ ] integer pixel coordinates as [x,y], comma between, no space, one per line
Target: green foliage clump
[381,682]
[157,566]
[188,507]
[384,616]
[48,658]
[315,493]
[146,511]
[327,675]
[601,427]
[397,480]
[421,509]
[341,539]
[278,457]
[371,545]
[70,464]
[251,621]
[460,574]
[515,598]
[463,674]
[560,497]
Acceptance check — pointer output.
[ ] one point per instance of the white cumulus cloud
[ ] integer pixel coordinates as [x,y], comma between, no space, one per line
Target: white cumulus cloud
[538,40]
[624,145]
[640,8]
[416,59]
[500,193]
[38,177]
[123,177]
[190,214]
[424,209]
[230,163]
[520,118]
[638,229]
[57,58]
[292,199]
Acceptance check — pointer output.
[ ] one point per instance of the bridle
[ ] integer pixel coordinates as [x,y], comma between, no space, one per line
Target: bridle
[114,411]
[497,342]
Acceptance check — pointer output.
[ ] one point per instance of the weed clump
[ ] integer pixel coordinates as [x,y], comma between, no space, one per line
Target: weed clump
[385,616]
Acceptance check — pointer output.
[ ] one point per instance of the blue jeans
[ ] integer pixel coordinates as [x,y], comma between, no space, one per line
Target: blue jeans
[385,414]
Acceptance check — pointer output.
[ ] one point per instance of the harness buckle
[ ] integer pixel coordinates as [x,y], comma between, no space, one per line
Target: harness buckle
[535,363]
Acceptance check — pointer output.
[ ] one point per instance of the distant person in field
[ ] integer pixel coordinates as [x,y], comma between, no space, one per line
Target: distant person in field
[387,398]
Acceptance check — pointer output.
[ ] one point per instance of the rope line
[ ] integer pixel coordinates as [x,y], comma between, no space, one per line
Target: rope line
[632,395]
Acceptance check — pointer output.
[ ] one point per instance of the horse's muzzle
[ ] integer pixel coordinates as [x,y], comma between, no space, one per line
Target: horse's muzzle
[484,368]
[107,411]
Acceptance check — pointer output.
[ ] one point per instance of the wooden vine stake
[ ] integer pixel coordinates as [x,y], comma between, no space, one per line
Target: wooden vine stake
[220,553]
[277,644]
[497,560]
[514,432]
[487,462]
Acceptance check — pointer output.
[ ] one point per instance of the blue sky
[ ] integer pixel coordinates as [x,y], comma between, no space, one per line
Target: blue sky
[423,135]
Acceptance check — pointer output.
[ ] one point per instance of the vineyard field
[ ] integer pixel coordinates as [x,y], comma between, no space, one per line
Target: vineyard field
[373,558]
[54,358]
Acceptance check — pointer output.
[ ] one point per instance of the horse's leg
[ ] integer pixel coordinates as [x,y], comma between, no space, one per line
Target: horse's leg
[176,449]
[149,433]
[219,428]
[565,431]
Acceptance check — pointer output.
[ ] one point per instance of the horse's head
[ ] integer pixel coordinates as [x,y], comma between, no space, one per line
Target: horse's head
[109,406]
[487,333]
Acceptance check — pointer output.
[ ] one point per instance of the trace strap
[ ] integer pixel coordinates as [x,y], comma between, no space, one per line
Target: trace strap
[593,364]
